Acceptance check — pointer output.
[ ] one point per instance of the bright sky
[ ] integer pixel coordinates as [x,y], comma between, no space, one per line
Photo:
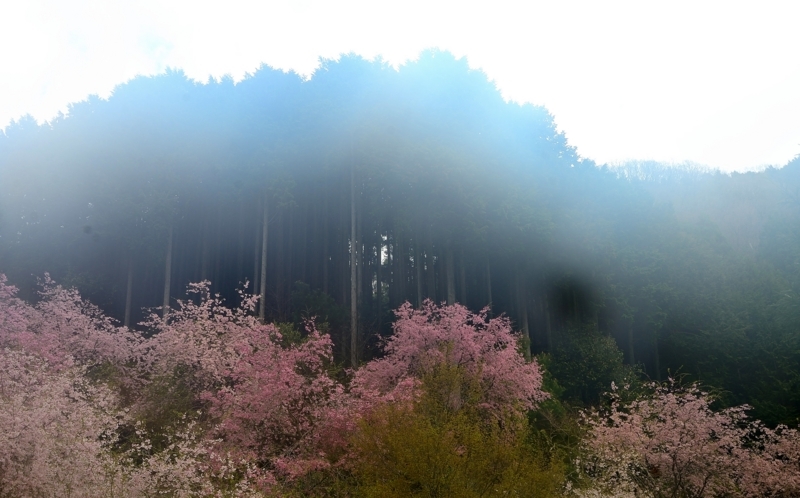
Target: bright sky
[712,82]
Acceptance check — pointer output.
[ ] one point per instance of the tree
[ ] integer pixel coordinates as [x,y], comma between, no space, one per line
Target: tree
[435,335]
[672,443]
[445,445]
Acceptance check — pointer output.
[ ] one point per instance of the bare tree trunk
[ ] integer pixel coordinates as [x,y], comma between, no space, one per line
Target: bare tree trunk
[217,275]
[240,246]
[280,258]
[631,357]
[344,258]
[522,311]
[574,307]
[489,287]
[548,325]
[262,300]
[379,280]
[430,271]
[167,276]
[391,248]
[543,308]
[359,261]
[325,217]
[204,257]
[306,225]
[353,277]
[451,284]
[418,271]
[402,274]
[657,358]
[463,278]
[290,274]
[129,294]
[257,253]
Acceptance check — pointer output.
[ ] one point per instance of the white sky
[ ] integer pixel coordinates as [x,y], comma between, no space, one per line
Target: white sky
[716,83]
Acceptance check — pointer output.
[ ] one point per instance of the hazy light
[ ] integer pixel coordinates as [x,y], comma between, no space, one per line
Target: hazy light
[709,82]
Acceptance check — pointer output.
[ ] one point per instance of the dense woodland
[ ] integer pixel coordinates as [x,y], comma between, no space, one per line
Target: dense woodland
[340,197]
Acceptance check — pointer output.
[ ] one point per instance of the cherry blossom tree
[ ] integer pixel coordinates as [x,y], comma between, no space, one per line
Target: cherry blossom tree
[268,397]
[274,413]
[63,328]
[277,400]
[54,428]
[60,431]
[433,335]
[443,412]
[672,443]
[773,467]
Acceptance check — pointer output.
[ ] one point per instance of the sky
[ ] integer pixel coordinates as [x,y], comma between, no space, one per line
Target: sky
[706,82]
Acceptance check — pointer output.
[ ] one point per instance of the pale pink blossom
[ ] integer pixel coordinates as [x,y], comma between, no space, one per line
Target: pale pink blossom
[672,443]
[452,335]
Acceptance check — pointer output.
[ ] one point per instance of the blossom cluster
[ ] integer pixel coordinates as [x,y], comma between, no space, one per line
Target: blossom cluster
[273,409]
[672,443]
[452,335]
[80,399]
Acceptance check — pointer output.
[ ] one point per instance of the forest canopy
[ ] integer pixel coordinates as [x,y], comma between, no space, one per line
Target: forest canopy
[339,197]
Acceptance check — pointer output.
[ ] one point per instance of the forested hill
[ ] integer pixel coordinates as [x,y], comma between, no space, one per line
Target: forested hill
[372,186]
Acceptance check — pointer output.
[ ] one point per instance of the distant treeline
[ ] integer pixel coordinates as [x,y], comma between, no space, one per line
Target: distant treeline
[342,196]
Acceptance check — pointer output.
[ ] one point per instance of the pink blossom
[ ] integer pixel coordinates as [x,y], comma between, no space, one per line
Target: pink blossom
[673,444]
[54,429]
[452,335]
[62,328]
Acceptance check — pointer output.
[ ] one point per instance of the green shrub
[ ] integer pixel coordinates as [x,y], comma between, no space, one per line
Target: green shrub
[446,444]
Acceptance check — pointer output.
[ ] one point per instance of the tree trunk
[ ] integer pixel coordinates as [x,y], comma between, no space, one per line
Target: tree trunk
[353,276]
[430,271]
[280,259]
[574,308]
[217,275]
[240,246]
[418,271]
[451,284]
[359,261]
[402,274]
[306,225]
[256,252]
[167,276]
[489,287]
[379,281]
[463,279]
[657,358]
[391,248]
[344,247]
[631,357]
[543,308]
[325,217]
[288,281]
[547,323]
[522,312]
[204,257]
[262,300]
[313,255]
[129,294]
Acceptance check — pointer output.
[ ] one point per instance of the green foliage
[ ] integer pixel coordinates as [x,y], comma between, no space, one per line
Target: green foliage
[557,433]
[328,316]
[162,408]
[444,445]
[313,304]
[692,271]
[290,335]
[584,364]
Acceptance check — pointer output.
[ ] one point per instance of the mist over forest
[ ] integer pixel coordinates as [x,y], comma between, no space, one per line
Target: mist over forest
[339,197]
[469,199]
